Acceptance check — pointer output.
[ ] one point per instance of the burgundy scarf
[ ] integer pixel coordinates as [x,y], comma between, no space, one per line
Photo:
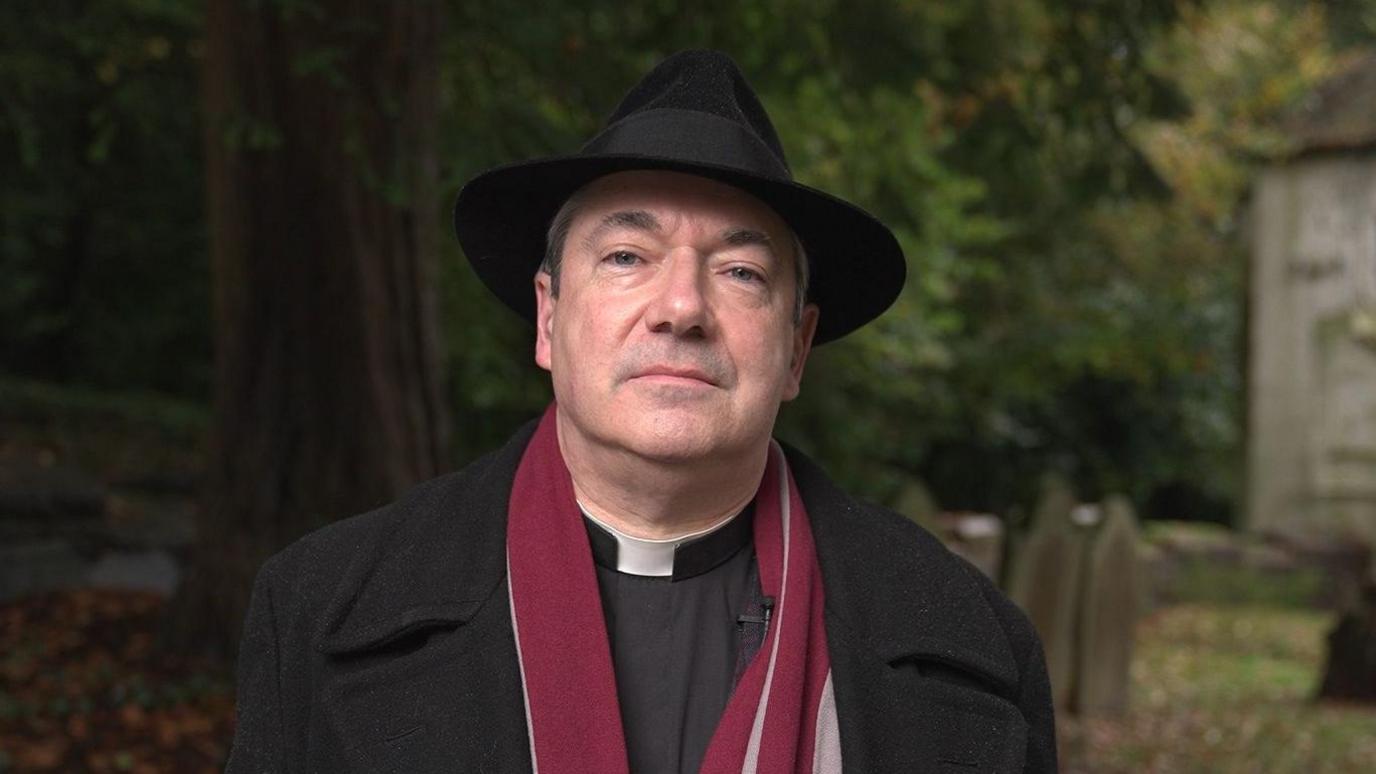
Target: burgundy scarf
[782,715]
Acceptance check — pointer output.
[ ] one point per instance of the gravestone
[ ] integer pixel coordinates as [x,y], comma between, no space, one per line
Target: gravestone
[978,538]
[1045,582]
[152,570]
[1109,599]
[61,527]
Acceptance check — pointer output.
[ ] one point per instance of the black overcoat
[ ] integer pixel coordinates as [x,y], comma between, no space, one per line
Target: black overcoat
[383,643]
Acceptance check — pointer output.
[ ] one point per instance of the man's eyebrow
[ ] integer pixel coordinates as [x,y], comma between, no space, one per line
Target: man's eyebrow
[737,237]
[638,220]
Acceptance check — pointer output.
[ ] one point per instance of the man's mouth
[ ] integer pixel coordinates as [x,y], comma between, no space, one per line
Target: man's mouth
[676,374]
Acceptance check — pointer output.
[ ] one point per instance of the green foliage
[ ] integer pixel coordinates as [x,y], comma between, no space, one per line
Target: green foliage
[100,195]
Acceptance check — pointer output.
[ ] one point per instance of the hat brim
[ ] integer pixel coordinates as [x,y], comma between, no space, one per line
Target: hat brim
[502,216]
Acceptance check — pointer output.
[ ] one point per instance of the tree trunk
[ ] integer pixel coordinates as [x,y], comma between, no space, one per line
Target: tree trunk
[320,139]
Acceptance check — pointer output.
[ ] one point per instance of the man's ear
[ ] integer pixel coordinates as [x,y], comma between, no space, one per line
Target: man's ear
[544,318]
[802,345]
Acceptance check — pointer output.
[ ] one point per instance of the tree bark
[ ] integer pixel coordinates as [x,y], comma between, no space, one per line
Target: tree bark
[321,161]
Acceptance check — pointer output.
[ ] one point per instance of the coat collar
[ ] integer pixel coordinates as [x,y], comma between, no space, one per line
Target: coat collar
[898,588]
[442,556]
[438,557]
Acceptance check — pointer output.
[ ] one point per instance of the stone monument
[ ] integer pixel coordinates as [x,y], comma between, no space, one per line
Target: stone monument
[1045,581]
[1109,601]
[1311,453]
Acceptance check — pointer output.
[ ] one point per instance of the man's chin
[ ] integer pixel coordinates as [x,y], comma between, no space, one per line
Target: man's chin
[671,432]
[682,439]
[676,450]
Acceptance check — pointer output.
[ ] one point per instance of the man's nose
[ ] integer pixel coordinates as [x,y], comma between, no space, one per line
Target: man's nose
[680,303]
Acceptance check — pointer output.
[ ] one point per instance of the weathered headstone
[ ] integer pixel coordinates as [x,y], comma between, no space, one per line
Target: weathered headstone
[1045,582]
[978,537]
[141,570]
[1108,612]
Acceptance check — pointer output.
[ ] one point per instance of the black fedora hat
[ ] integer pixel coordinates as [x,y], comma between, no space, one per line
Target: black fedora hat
[694,113]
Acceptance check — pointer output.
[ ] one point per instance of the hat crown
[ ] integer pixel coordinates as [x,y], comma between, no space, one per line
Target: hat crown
[702,81]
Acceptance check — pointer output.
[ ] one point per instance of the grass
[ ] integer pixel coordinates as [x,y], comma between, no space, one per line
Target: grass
[1214,565]
[1223,689]
[1208,581]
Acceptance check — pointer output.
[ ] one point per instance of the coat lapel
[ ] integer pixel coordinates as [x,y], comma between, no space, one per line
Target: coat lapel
[921,666]
[420,661]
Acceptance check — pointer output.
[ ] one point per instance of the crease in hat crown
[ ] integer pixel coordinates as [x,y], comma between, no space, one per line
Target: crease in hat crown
[703,81]
[693,113]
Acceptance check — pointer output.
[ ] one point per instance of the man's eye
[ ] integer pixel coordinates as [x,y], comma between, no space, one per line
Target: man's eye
[622,258]
[743,274]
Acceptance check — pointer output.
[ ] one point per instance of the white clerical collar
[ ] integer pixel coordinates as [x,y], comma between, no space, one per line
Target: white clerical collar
[644,556]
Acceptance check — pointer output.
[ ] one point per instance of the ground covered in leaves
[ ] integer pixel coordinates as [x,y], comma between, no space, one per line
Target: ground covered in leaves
[83,688]
[1216,689]
[1224,690]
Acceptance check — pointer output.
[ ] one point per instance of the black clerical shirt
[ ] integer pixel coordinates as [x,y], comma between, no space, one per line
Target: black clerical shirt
[678,642]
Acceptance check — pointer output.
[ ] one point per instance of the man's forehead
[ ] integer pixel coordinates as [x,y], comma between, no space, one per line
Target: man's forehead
[660,201]
[644,221]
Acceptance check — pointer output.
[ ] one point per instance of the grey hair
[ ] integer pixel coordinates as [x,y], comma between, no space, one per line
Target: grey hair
[558,236]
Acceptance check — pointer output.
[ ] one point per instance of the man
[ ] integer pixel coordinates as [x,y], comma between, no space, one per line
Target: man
[643,580]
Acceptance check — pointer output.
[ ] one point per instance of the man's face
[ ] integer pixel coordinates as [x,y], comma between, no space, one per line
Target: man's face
[673,334]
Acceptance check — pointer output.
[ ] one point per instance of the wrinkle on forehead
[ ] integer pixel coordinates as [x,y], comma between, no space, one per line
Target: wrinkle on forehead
[660,201]
[636,220]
